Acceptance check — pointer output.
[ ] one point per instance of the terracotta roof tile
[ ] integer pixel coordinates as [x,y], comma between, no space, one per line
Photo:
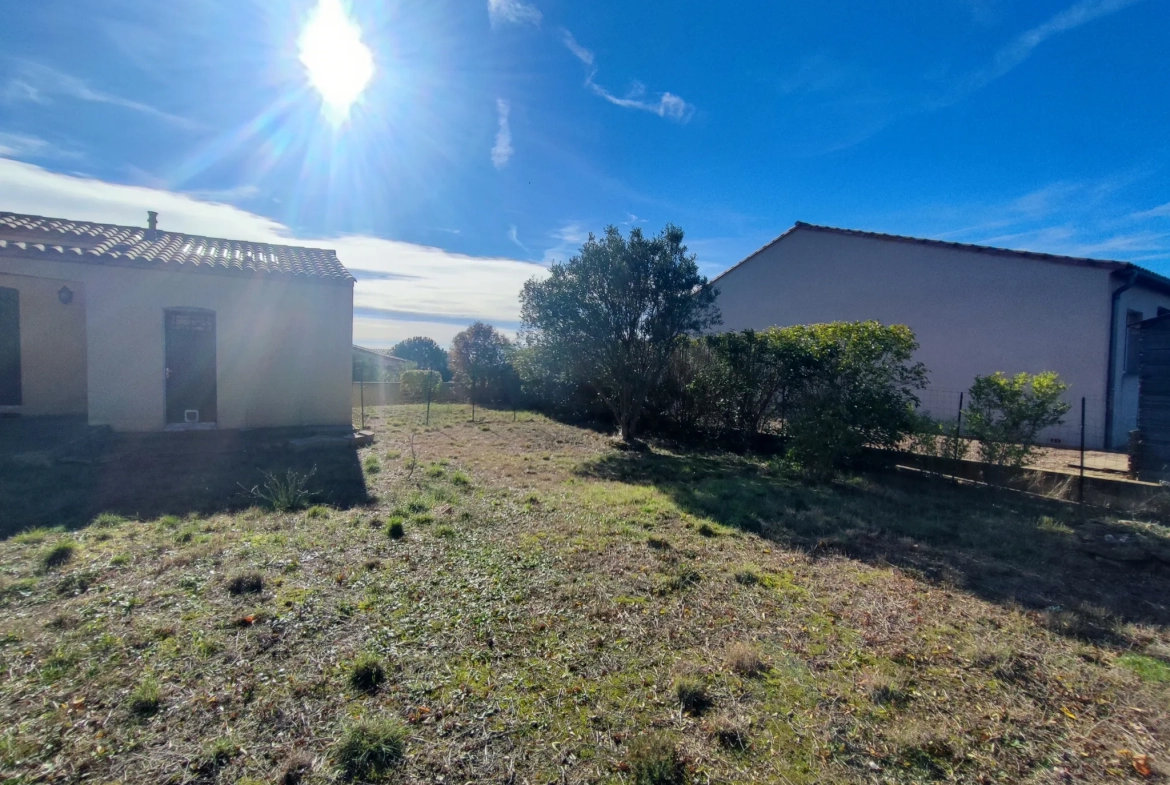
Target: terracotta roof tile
[83,241]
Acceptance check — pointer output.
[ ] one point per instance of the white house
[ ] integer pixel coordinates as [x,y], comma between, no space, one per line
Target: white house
[974,309]
[146,330]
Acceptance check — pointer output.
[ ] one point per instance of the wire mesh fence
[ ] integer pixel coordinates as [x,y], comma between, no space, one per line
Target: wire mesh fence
[1059,447]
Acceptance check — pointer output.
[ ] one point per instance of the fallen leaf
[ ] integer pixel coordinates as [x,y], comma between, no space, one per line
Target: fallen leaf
[1141,764]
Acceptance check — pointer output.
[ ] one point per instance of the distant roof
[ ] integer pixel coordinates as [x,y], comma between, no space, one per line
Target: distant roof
[382,353]
[59,239]
[1103,264]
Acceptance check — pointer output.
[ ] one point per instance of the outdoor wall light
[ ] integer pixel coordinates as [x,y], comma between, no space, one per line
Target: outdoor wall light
[65,295]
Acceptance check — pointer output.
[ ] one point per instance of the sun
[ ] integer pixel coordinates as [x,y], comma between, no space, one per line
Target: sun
[339,65]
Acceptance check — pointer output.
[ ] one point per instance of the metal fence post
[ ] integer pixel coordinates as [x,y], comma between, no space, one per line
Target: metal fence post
[429,386]
[362,382]
[1082,493]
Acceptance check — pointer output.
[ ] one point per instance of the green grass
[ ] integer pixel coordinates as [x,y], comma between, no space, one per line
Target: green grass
[370,748]
[1150,669]
[533,624]
[145,699]
[57,555]
[366,673]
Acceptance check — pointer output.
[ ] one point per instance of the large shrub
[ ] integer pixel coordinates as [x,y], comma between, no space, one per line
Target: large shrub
[1005,414]
[616,313]
[855,386]
[416,385]
[829,389]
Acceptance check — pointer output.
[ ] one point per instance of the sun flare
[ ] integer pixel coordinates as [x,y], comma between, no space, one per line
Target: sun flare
[339,65]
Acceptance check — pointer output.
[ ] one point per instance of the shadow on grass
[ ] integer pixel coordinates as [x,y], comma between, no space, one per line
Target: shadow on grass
[60,472]
[1003,546]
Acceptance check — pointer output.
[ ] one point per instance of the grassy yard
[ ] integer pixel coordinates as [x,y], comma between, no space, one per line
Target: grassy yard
[519,602]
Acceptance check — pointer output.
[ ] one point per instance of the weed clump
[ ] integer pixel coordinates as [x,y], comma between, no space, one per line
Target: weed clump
[287,493]
[654,760]
[745,660]
[367,674]
[295,770]
[445,531]
[217,754]
[317,512]
[107,520]
[692,694]
[460,480]
[394,528]
[145,699]
[372,465]
[370,748]
[246,583]
[60,554]
[730,732]
[658,543]
[707,530]
[1147,668]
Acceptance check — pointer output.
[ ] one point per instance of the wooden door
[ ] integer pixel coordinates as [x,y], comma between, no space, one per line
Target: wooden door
[190,370]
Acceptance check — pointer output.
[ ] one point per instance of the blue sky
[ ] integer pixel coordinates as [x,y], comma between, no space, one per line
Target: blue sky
[495,134]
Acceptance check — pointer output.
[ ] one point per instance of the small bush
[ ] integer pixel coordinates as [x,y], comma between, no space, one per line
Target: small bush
[370,748]
[745,660]
[371,464]
[416,385]
[367,674]
[394,528]
[60,554]
[317,512]
[692,694]
[1006,414]
[286,493]
[246,583]
[654,760]
[145,699]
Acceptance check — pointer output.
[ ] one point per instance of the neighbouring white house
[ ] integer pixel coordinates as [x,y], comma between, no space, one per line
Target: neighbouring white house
[147,330]
[974,309]
[374,365]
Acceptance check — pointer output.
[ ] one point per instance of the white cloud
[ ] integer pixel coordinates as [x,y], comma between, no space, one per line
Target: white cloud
[1161,211]
[570,237]
[502,152]
[581,53]
[667,105]
[402,283]
[513,11]
[20,145]
[36,83]
[1022,47]
[514,236]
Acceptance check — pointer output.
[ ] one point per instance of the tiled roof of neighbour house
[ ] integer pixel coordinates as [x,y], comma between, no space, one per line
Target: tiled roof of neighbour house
[1103,264]
[59,239]
[383,354]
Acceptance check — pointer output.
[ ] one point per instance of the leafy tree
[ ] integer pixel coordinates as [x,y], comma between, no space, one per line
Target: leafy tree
[480,359]
[415,385]
[1005,414]
[615,313]
[425,354]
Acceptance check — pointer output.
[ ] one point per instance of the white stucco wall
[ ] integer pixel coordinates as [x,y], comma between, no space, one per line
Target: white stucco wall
[283,348]
[52,346]
[973,313]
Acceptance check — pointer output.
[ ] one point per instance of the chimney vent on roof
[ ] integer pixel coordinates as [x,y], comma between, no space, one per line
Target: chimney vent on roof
[152,220]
